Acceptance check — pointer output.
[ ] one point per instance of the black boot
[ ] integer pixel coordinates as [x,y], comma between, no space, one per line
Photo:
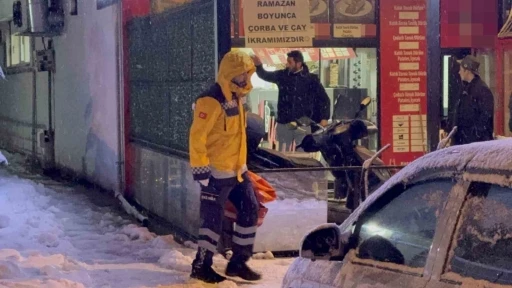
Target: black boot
[227,254]
[202,268]
[240,269]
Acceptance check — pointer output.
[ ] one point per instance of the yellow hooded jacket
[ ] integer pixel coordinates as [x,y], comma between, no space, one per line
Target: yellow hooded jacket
[217,142]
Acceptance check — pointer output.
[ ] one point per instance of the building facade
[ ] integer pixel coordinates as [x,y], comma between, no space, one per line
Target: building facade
[117,107]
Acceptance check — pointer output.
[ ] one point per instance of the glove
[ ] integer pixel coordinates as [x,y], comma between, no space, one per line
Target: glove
[204,183]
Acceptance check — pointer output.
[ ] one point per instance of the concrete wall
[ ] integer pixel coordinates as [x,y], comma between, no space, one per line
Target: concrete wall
[163,184]
[86,118]
[85,112]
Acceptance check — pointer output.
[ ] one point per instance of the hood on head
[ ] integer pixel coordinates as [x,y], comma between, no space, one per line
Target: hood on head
[233,64]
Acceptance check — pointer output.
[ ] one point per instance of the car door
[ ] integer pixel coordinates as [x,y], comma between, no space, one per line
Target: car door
[480,254]
[394,236]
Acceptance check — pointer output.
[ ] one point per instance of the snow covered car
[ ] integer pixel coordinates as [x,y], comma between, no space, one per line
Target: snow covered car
[443,221]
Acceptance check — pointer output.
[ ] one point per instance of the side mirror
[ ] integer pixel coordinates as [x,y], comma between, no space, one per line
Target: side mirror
[324,243]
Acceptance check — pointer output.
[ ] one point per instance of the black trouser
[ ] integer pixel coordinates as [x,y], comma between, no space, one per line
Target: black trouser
[213,199]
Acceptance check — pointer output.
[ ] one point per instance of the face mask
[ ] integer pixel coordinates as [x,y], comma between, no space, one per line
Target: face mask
[240,85]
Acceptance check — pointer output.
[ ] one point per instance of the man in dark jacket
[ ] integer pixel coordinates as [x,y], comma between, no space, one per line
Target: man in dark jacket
[474,114]
[300,94]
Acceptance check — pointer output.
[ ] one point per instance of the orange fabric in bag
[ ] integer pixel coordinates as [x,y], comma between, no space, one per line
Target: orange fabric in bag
[265,193]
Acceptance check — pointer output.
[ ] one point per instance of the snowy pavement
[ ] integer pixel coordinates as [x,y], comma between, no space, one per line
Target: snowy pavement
[58,238]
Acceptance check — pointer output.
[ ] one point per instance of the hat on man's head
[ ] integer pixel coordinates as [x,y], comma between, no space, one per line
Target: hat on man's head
[470,63]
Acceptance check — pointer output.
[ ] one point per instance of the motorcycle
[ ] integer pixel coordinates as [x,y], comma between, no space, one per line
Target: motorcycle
[261,158]
[337,144]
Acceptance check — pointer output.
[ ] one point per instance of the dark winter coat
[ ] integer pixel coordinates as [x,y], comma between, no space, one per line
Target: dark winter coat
[300,94]
[474,116]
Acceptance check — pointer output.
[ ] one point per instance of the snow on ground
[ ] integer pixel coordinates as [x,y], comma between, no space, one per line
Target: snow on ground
[287,221]
[3,160]
[57,238]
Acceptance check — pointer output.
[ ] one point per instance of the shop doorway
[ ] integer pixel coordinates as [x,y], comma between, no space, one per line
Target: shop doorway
[451,85]
[504,87]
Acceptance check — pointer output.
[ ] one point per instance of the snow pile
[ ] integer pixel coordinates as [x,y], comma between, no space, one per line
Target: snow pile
[3,159]
[15,162]
[58,238]
[266,255]
[175,260]
[135,232]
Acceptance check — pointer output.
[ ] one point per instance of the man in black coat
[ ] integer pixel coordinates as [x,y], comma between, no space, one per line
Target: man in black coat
[300,94]
[474,114]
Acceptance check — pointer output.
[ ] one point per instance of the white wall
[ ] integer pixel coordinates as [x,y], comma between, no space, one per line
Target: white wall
[86,106]
[85,97]
[16,105]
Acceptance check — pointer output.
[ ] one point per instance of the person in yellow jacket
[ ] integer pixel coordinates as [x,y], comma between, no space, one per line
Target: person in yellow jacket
[218,155]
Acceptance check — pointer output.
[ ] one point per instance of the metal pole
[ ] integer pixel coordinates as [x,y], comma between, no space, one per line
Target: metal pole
[34,101]
[51,134]
[314,169]
[120,101]
[50,92]
[434,80]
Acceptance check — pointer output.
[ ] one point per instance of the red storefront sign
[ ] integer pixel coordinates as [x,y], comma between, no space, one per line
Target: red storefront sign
[469,23]
[403,79]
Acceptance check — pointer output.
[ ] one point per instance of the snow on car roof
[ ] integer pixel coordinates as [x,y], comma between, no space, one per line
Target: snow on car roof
[492,156]
[489,155]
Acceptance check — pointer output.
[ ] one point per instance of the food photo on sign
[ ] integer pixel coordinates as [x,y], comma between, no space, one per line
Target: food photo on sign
[353,11]
[319,11]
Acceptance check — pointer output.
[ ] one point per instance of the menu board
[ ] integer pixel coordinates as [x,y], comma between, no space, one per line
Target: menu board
[277,23]
[329,18]
[353,18]
[403,79]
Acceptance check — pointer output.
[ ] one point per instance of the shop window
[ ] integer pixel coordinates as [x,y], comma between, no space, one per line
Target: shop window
[166,79]
[487,68]
[347,74]
[18,50]
[506,6]
[505,16]
[483,243]
[507,87]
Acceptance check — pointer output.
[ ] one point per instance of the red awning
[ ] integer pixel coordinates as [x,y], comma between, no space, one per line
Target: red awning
[274,56]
